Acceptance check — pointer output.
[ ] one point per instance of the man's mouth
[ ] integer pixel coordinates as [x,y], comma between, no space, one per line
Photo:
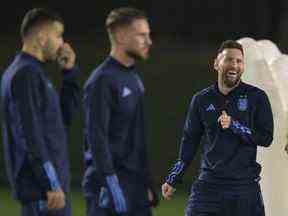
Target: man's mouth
[232,74]
[146,49]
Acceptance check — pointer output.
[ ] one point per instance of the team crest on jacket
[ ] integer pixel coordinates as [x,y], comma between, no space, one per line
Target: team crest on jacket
[242,103]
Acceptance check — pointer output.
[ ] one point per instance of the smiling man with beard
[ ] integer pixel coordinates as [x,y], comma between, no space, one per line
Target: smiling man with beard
[233,118]
[117,178]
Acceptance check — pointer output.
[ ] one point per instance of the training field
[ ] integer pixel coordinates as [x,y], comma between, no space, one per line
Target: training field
[172,208]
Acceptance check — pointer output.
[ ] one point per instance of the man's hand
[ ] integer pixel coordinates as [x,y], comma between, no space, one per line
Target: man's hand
[55,199]
[167,191]
[66,57]
[150,195]
[225,120]
[153,198]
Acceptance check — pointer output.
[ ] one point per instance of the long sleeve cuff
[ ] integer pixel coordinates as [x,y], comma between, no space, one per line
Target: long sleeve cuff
[176,173]
[117,193]
[244,132]
[52,176]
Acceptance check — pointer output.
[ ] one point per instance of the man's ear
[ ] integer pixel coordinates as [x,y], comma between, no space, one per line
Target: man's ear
[120,36]
[41,37]
[216,62]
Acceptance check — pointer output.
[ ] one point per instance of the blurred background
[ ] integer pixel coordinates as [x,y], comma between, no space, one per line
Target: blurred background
[186,35]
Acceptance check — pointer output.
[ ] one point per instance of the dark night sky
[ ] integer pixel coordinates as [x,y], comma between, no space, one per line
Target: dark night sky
[197,19]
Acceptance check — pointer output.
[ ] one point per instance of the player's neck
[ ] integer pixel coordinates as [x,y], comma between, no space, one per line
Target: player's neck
[122,57]
[224,89]
[33,50]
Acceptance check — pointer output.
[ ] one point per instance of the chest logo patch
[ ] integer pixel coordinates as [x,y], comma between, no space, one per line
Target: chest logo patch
[210,108]
[242,104]
[126,92]
[49,84]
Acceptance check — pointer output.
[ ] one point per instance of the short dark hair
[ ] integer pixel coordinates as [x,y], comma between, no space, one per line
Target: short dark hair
[122,17]
[230,44]
[36,17]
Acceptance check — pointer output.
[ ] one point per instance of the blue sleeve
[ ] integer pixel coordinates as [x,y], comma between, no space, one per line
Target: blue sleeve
[261,133]
[192,134]
[28,90]
[70,94]
[117,194]
[98,117]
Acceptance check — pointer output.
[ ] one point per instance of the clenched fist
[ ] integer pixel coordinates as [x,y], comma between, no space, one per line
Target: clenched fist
[225,120]
[66,56]
[55,200]
[167,191]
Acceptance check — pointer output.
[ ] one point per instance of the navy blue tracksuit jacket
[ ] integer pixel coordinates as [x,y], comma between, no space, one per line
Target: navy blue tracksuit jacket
[229,156]
[33,128]
[114,125]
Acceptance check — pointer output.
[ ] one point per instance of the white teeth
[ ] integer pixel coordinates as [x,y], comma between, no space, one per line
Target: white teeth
[232,72]
[231,75]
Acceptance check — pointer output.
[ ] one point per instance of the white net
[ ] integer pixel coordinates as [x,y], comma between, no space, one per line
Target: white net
[267,68]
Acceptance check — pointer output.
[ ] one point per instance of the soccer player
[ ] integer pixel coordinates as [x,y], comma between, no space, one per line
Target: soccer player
[35,117]
[117,178]
[233,118]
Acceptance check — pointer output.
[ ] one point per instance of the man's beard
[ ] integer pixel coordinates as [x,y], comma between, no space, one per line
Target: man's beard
[136,55]
[49,54]
[231,83]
